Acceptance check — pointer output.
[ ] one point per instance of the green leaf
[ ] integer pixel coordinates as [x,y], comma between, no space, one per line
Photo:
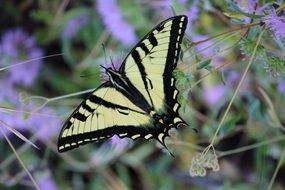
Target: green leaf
[26,114]
[239,15]
[42,16]
[24,99]
[204,64]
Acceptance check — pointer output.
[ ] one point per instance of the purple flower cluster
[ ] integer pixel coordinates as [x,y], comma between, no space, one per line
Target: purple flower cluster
[16,46]
[207,49]
[115,23]
[218,93]
[163,7]
[120,144]
[204,49]
[276,24]
[9,94]
[47,182]
[192,14]
[250,7]
[44,124]
[281,86]
[214,94]
[182,1]
[114,63]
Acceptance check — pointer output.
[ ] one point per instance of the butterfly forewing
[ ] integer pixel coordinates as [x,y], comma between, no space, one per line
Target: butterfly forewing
[150,64]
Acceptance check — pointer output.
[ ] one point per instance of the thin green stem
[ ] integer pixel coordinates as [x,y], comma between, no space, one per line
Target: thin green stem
[20,160]
[17,133]
[233,151]
[9,110]
[238,87]
[276,170]
[210,72]
[20,150]
[280,8]
[216,43]
[48,100]
[249,147]
[224,33]
[24,62]
[70,95]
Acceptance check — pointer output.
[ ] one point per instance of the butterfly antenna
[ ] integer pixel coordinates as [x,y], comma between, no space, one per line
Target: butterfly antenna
[104,50]
[104,68]
[112,63]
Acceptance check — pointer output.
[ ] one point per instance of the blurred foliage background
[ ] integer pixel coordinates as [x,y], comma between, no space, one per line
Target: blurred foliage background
[230,77]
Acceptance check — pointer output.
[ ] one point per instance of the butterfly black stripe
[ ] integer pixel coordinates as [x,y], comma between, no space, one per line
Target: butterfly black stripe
[107,104]
[80,116]
[143,74]
[144,48]
[152,40]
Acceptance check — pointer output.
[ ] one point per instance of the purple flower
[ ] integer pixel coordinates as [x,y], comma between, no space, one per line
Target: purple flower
[114,63]
[214,94]
[218,93]
[205,49]
[47,182]
[74,25]
[9,94]
[250,7]
[115,23]
[192,14]
[247,6]
[120,144]
[163,7]
[276,24]
[44,123]
[232,78]
[182,1]
[281,86]
[16,47]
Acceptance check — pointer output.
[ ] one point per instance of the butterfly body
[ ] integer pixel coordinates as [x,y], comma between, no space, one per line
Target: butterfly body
[140,98]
